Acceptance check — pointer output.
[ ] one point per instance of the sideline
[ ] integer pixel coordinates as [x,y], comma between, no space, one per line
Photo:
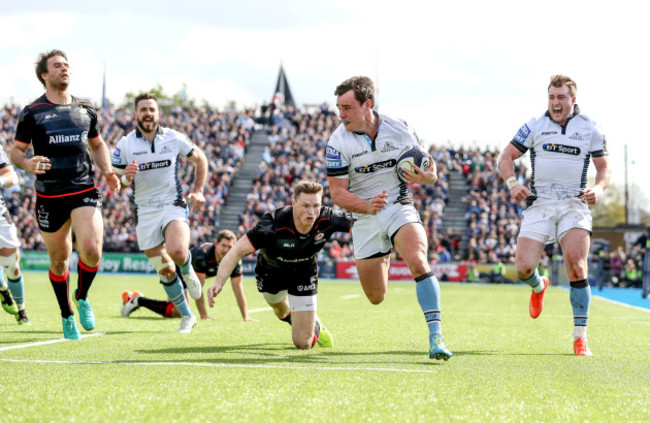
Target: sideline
[52,341]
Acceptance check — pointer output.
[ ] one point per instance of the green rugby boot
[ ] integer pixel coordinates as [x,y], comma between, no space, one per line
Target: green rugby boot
[8,303]
[325,339]
[70,330]
[86,315]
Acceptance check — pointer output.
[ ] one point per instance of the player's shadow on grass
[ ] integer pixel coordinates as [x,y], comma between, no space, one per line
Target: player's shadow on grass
[276,353]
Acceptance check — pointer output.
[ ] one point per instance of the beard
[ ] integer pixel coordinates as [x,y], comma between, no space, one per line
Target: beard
[147,125]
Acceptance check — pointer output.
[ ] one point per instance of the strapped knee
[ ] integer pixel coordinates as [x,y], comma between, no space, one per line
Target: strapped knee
[9,263]
[160,265]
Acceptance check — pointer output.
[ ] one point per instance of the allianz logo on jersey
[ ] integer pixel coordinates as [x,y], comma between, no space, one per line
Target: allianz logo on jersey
[559,148]
[61,139]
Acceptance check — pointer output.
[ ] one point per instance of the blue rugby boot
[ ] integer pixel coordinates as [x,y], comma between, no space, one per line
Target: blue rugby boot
[86,315]
[438,349]
[70,330]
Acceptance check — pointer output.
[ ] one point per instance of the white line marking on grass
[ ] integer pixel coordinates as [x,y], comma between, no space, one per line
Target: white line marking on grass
[350,297]
[242,366]
[52,341]
[257,310]
[621,303]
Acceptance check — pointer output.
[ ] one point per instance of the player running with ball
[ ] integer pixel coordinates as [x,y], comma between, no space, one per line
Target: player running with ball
[361,157]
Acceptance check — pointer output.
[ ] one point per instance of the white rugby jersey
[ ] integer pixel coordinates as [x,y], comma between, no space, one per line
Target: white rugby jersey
[4,162]
[370,165]
[560,155]
[157,182]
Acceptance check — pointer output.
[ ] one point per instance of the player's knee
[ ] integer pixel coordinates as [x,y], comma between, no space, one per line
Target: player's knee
[376,297]
[178,255]
[524,271]
[10,264]
[419,267]
[303,342]
[166,269]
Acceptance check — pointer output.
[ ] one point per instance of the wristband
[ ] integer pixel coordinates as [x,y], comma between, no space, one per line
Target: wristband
[511,182]
[125,181]
[3,182]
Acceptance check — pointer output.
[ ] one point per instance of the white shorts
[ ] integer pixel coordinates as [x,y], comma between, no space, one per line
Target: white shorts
[152,223]
[372,236]
[549,221]
[8,234]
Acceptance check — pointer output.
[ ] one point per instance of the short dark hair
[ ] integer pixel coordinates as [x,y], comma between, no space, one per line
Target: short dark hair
[559,81]
[41,62]
[306,187]
[226,234]
[144,96]
[363,87]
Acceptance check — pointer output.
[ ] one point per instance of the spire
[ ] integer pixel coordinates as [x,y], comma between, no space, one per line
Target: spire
[282,94]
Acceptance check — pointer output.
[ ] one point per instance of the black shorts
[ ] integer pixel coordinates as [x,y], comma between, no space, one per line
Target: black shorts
[53,212]
[300,284]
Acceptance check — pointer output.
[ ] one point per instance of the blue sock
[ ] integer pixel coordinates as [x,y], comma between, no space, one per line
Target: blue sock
[580,295]
[17,288]
[534,281]
[185,268]
[175,292]
[3,285]
[427,289]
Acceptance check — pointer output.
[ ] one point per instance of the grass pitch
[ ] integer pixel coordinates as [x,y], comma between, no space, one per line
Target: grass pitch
[506,366]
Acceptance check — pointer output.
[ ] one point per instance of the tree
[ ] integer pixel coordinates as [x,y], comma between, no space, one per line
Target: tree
[165,101]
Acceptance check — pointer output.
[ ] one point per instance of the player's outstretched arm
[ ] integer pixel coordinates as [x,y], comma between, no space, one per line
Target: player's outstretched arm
[238,289]
[241,249]
[200,162]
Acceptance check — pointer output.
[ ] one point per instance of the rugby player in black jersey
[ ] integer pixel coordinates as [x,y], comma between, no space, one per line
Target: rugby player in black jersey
[63,132]
[205,261]
[287,272]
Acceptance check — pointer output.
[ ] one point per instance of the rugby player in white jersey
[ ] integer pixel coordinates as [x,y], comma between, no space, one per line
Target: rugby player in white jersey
[561,144]
[9,252]
[147,160]
[361,157]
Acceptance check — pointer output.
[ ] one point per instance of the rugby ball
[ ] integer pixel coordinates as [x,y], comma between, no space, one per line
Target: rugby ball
[415,155]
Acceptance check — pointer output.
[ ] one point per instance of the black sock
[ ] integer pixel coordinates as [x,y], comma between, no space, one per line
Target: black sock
[60,285]
[287,318]
[86,278]
[157,306]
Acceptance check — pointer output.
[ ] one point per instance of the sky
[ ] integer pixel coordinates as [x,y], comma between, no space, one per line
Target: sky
[463,73]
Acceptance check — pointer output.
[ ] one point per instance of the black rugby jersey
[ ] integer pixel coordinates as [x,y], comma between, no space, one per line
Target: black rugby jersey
[60,132]
[203,261]
[282,246]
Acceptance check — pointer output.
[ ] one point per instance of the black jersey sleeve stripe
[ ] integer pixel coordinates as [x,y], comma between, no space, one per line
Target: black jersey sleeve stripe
[337,172]
[522,148]
[599,153]
[191,153]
